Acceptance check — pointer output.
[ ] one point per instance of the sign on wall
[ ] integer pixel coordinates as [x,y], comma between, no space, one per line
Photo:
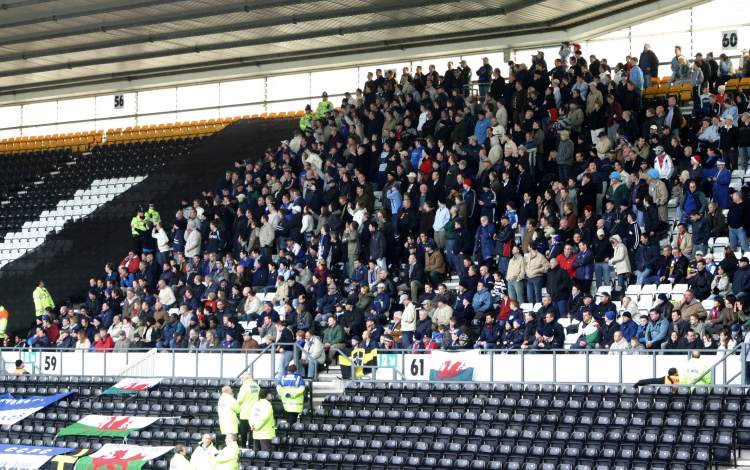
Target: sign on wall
[729,39]
[119,101]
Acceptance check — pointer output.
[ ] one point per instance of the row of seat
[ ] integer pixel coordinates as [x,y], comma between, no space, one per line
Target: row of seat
[75,141]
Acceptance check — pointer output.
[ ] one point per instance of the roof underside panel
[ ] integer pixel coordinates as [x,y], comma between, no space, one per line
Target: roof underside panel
[50,43]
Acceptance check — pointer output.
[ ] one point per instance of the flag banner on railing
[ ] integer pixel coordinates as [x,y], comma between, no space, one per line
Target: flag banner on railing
[359,358]
[120,457]
[109,426]
[13,410]
[453,366]
[66,461]
[125,386]
[27,457]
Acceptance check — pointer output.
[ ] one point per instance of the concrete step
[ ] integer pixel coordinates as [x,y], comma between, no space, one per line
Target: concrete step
[328,383]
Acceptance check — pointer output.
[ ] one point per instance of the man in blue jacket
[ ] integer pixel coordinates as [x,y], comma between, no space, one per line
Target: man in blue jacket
[584,265]
[656,330]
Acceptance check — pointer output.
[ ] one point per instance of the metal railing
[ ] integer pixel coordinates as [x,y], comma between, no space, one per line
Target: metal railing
[560,365]
[597,366]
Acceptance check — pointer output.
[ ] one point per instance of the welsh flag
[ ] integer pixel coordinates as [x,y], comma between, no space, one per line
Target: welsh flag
[453,366]
[120,457]
[109,426]
[125,386]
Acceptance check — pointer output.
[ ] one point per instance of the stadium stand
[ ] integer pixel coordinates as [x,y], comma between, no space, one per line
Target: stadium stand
[570,208]
[429,425]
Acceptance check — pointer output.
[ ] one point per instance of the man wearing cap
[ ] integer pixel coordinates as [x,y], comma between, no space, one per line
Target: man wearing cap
[663,163]
[324,106]
[657,189]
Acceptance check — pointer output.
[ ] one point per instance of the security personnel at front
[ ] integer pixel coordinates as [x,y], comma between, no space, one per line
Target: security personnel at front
[228,458]
[262,422]
[246,398]
[291,390]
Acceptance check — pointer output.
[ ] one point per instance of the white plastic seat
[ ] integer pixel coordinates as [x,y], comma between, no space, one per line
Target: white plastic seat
[664,289]
[633,289]
[648,289]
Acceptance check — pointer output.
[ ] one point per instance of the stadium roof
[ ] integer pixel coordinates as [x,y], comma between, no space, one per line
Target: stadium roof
[46,44]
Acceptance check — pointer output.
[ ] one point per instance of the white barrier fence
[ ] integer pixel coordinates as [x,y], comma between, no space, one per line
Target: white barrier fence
[490,366]
[161,364]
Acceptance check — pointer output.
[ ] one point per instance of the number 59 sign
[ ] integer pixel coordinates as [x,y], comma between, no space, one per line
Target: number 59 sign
[729,39]
[50,363]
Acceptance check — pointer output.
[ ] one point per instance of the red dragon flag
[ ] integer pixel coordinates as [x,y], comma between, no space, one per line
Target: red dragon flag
[125,386]
[453,366]
[109,426]
[120,457]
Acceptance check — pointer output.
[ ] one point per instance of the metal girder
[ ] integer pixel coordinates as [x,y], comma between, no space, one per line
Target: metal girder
[111,8]
[207,31]
[375,26]
[194,14]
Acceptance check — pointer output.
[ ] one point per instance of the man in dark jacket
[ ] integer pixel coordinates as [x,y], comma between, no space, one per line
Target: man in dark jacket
[584,266]
[550,334]
[607,329]
[700,281]
[646,261]
[649,63]
[741,281]
[377,245]
[491,335]
[558,287]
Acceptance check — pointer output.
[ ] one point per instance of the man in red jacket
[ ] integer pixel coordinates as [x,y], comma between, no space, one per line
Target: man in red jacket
[105,342]
[565,260]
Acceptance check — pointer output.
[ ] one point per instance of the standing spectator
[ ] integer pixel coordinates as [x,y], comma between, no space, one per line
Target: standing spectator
[408,321]
[535,267]
[649,63]
[737,218]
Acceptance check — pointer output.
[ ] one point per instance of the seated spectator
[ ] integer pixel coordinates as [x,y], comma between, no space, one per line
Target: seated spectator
[491,334]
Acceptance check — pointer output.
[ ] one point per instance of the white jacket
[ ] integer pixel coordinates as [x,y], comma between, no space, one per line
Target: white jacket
[162,240]
[193,244]
[665,167]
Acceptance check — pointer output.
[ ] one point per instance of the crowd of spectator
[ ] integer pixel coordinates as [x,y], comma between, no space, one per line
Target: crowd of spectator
[548,182]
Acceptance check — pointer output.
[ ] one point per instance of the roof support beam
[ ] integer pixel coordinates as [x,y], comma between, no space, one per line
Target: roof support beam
[190,14]
[207,31]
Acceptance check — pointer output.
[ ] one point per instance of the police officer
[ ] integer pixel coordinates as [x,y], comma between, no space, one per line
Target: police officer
[291,390]
[42,299]
[246,397]
[138,230]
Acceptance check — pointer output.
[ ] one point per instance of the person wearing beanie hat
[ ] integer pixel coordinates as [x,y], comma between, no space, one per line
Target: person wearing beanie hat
[617,191]
[608,328]
[721,180]
[659,193]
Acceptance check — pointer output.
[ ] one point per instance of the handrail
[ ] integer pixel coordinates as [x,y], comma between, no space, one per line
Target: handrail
[626,352]
[712,369]
[252,363]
